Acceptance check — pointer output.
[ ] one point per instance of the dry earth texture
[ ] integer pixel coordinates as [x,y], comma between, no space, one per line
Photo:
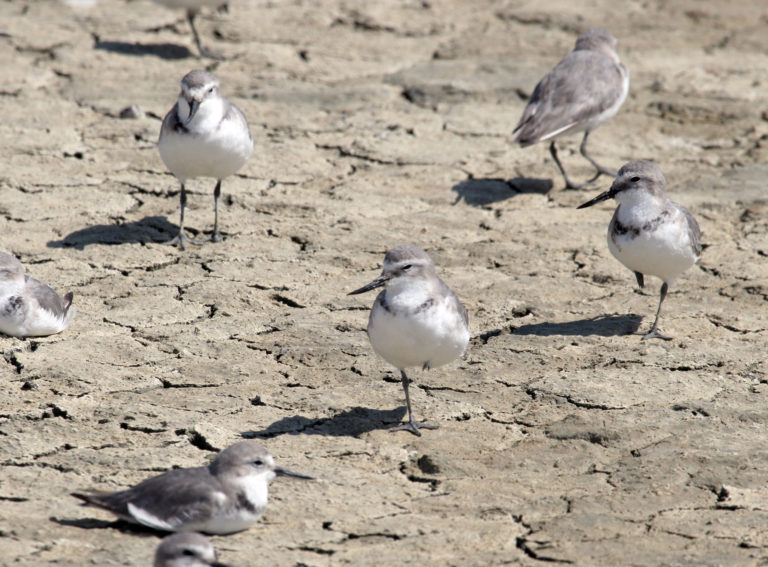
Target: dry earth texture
[564,438]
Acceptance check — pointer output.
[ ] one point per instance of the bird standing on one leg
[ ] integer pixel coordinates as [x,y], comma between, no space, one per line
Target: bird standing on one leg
[417,320]
[203,135]
[584,90]
[649,233]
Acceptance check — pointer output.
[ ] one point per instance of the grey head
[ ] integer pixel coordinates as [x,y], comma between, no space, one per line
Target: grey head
[10,268]
[196,86]
[641,175]
[188,549]
[402,263]
[596,39]
[248,458]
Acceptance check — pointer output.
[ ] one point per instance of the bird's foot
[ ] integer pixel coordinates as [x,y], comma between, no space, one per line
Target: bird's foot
[654,334]
[182,240]
[570,185]
[210,54]
[217,236]
[413,427]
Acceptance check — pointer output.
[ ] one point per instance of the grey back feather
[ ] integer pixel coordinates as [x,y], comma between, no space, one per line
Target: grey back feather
[694,232]
[584,84]
[49,299]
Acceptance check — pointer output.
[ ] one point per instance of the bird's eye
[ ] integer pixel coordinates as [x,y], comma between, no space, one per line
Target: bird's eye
[188,553]
[407,267]
[635,179]
[210,90]
[258,463]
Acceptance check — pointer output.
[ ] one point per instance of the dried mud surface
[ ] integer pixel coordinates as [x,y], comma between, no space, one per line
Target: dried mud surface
[563,438]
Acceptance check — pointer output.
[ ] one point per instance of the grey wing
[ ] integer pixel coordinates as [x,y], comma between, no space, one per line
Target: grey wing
[581,86]
[49,299]
[232,112]
[460,309]
[173,498]
[694,232]
[171,122]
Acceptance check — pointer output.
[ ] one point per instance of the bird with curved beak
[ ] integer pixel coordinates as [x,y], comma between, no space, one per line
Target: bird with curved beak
[203,135]
[649,233]
[417,320]
[225,497]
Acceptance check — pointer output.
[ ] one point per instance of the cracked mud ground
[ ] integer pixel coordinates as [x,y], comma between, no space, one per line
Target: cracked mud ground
[563,438]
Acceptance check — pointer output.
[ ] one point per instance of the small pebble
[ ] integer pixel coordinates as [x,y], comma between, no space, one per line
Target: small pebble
[133,112]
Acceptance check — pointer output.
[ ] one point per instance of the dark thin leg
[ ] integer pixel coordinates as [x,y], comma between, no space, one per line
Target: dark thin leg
[654,332]
[600,169]
[640,280]
[413,426]
[216,236]
[204,52]
[181,238]
[568,183]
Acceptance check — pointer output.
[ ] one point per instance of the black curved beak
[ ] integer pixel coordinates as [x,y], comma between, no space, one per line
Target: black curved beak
[601,197]
[217,564]
[279,471]
[378,282]
[194,104]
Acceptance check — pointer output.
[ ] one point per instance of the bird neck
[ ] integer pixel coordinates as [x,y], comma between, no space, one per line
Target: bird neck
[209,113]
[409,292]
[640,207]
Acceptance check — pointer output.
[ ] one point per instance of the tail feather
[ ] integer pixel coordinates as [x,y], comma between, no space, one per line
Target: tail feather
[91,498]
[68,301]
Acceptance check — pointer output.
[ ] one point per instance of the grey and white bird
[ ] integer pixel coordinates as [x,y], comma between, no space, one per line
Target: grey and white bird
[28,307]
[187,549]
[225,497]
[203,135]
[417,320]
[649,233]
[192,8]
[583,91]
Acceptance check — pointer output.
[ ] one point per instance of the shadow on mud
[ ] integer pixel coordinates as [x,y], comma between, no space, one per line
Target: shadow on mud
[480,192]
[94,524]
[161,50]
[603,325]
[349,423]
[155,229]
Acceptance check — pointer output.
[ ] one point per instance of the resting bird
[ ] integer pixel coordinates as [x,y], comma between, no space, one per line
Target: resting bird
[225,497]
[188,549]
[28,307]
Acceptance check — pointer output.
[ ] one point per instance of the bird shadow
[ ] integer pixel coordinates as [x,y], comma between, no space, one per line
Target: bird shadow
[481,192]
[349,423]
[94,524]
[148,229]
[162,50]
[602,325]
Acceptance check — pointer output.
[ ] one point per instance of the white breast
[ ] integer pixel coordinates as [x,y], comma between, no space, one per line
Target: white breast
[406,336]
[212,147]
[665,252]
